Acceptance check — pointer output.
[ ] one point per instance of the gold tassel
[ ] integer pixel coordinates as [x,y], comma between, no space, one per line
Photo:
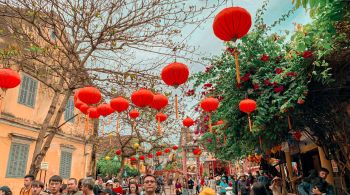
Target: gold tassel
[176,107]
[250,123]
[86,130]
[237,67]
[289,123]
[224,139]
[210,127]
[260,143]
[159,129]
[117,126]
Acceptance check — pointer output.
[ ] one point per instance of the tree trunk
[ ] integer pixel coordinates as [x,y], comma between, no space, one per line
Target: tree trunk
[35,166]
[121,170]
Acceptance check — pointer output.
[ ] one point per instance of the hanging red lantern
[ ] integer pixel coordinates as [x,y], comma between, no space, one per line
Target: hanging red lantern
[118,152]
[142,98]
[231,24]
[133,159]
[134,114]
[248,106]
[93,113]
[78,103]
[159,101]
[220,122]
[104,109]
[160,117]
[167,150]
[210,104]
[175,74]
[175,147]
[9,78]
[84,108]
[159,153]
[89,95]
[150,155]
[141,157]
[119,104]
[188,122]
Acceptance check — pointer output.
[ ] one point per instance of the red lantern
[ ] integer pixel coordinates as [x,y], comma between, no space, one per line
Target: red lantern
[89,95]
[220,122]
[104,109]
[84,108]
[133,159]
[118,152]
[93,113]
[167,150]
[175,74]
[142,97]
[134,114]
[175,147]
[232,23]
[159,101]
[161,117]
[210,104]
[141,157]
[119,104]
[248,106]
[78,103]
[9,78]
[188,122]
[150,155]
[159,153]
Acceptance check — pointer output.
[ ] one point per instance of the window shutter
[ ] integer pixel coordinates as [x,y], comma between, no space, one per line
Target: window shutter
[69,112]
[65,164]
[27,93]
[17,162]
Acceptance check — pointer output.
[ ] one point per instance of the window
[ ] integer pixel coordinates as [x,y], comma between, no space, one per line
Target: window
[69,112]
[27,91]
[65,164]
[17,162]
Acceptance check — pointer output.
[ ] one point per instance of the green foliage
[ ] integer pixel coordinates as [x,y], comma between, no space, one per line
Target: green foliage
[278,84]
[112,167]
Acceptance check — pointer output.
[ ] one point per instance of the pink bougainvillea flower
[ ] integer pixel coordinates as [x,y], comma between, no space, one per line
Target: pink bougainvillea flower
[220,98]
[207,85]
[256,86]
[291,74]
[278,70]
[307,54]
[278,89]
[264,58]
[267,82]
[246,77]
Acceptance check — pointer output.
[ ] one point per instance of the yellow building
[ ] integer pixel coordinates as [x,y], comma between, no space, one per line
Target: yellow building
[23,110]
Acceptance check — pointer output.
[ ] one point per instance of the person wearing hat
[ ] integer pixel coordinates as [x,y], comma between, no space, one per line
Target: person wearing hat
[5,190]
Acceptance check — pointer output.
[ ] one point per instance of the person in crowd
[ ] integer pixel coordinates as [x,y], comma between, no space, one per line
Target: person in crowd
[184,186]
[277,187]
[160,185]
[199,183]
[37,188]
[109,184]
[149,184]
[55,183]
[5,190]
[80,184]
[72,187]
[258,189]
[170,183]
[212,183]
[107,191]
[88,186]
[27,188]
[243,188]
[190,184]
[263,178]
[63,189]
[178,187]
[118,190]
[316,184]
[133,189]
[223,185]
[250,179]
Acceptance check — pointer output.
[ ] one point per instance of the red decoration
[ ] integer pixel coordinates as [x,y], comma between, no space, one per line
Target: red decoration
[188,122]
[84,108]
[119,104]
[133,159]
[220,122]
[141,157]
[232,23]
[104,109]
[307,54]
[118,152]
[78,103]
[175,147]
[142,98]
[247,105]
[161,117]
[175,74]
[150,155]
[297,135]
[167,150]
[93,113]
[264,58]
[197,152]
[159,101]
[9,78]
[159,153]
[134,114]
[89,95]
[210,104]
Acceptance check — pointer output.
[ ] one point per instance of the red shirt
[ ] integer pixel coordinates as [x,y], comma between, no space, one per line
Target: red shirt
[118,190]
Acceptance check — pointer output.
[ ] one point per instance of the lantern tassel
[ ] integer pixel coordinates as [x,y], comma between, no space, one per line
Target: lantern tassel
[260,142]
[117,125]
[224,139]
[86,130]
[250,123]
[237,67]
[159,130]
[289,123]
[103,128]
[134,125]
[176,107]
[210,127]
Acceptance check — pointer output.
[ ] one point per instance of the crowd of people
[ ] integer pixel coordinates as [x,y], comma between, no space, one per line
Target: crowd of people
[258,184]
